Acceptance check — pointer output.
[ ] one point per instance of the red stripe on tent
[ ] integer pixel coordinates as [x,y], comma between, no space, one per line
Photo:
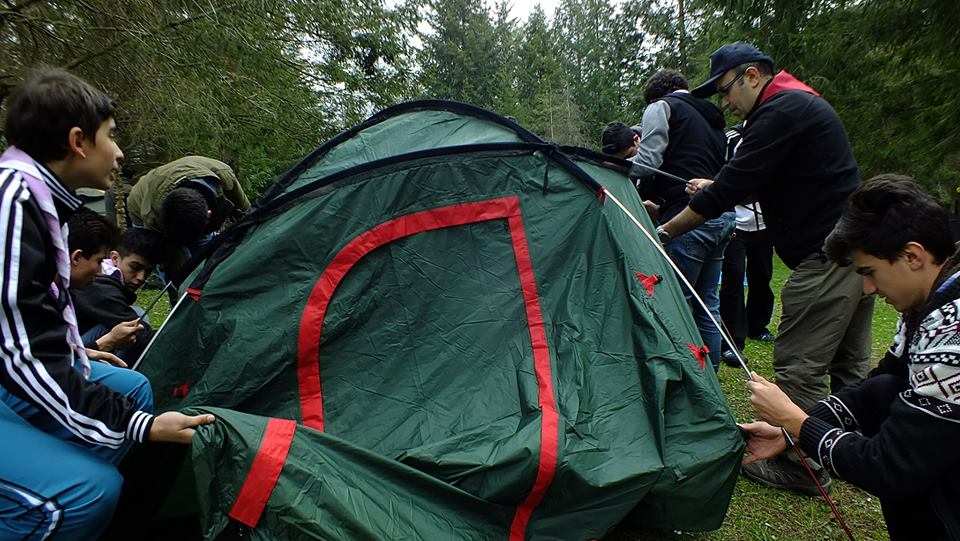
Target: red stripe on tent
[311,324]
[194,293]
[264,472]
[549,423]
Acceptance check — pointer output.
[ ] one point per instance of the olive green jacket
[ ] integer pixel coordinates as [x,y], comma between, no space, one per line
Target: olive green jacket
[147,195]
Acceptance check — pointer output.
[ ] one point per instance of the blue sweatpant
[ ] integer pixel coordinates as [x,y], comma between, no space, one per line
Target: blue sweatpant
[53,485]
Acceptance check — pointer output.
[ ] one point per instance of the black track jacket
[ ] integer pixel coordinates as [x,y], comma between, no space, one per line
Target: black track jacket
[37,362]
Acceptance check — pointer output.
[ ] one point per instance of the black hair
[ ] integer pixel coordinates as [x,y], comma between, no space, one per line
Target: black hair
[662,83]
[89,232]
[765,68]
[142,242]
[43,109]
[616,137]
[883,215]
[183,215]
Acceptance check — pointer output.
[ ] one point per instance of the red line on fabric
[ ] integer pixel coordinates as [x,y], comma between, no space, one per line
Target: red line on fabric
[311,324]
[549,418]
[264,472]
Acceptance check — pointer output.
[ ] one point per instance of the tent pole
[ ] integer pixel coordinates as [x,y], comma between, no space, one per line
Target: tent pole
[653,240]
[726,337]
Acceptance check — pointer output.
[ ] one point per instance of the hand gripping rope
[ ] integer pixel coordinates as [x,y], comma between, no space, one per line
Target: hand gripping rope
[725,335]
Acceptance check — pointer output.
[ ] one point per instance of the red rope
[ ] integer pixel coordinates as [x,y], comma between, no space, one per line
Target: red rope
[826,497]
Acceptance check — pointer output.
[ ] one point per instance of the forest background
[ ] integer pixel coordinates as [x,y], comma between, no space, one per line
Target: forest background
[260,83]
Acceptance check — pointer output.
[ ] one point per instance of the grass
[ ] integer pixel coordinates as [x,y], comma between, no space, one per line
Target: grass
[756,512]
[761,513]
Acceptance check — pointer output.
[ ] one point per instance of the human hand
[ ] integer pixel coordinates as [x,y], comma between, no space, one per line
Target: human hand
[764,441]
[774,406]
[104,357]
[697,184]
[176,427]
[121,335]
[653,210]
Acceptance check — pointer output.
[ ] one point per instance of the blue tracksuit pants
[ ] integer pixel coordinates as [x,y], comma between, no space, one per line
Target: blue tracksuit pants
[53,485]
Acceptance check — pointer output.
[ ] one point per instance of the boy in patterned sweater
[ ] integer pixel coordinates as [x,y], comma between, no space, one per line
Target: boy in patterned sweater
[894,435]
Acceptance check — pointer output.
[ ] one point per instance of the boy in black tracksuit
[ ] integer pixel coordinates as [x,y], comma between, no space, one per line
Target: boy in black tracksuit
[907,412]
[66,419]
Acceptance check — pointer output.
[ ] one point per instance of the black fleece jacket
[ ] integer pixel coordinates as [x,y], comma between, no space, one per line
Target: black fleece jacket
[107,302]
[796,158]
[696,148]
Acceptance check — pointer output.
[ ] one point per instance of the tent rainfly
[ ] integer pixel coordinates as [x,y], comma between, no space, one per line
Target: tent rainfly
[438,326]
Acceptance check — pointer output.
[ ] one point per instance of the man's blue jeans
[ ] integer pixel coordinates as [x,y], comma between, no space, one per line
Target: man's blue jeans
[699,255]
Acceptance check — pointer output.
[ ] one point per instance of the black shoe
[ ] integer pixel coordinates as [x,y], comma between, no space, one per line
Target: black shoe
[729,358]
[765,336]
[783,474]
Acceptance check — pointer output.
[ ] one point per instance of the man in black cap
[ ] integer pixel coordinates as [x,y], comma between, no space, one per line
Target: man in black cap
[795,159]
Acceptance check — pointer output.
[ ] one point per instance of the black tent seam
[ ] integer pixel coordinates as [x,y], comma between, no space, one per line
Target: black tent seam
[445,105]
[220,248]
[223,245]
[411,157]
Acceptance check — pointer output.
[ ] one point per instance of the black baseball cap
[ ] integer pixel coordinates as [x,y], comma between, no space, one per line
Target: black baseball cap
[725,59]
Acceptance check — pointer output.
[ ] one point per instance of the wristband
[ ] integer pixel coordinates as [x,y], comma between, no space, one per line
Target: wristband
[663,235]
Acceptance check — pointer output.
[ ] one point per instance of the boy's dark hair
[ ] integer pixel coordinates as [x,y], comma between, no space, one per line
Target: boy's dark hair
[142,242]
[662,83]
[183,215]
[89,232]
[616,137]
[43,108]
[883,215]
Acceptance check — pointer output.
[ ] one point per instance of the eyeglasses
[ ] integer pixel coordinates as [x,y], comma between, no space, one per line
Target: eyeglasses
[723,90]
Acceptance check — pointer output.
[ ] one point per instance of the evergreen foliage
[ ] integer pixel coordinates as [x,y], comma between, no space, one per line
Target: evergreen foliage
[259,83]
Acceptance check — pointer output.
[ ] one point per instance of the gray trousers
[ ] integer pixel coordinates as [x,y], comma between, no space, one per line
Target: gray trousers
[824,331]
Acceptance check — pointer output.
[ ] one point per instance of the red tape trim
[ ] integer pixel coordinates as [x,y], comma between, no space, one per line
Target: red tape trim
[264,472]
[549,422]
[311,323]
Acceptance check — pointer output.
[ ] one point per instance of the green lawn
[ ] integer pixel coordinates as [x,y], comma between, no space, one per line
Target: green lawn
[756,512]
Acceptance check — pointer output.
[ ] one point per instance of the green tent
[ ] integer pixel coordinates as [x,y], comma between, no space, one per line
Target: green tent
[438,326]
